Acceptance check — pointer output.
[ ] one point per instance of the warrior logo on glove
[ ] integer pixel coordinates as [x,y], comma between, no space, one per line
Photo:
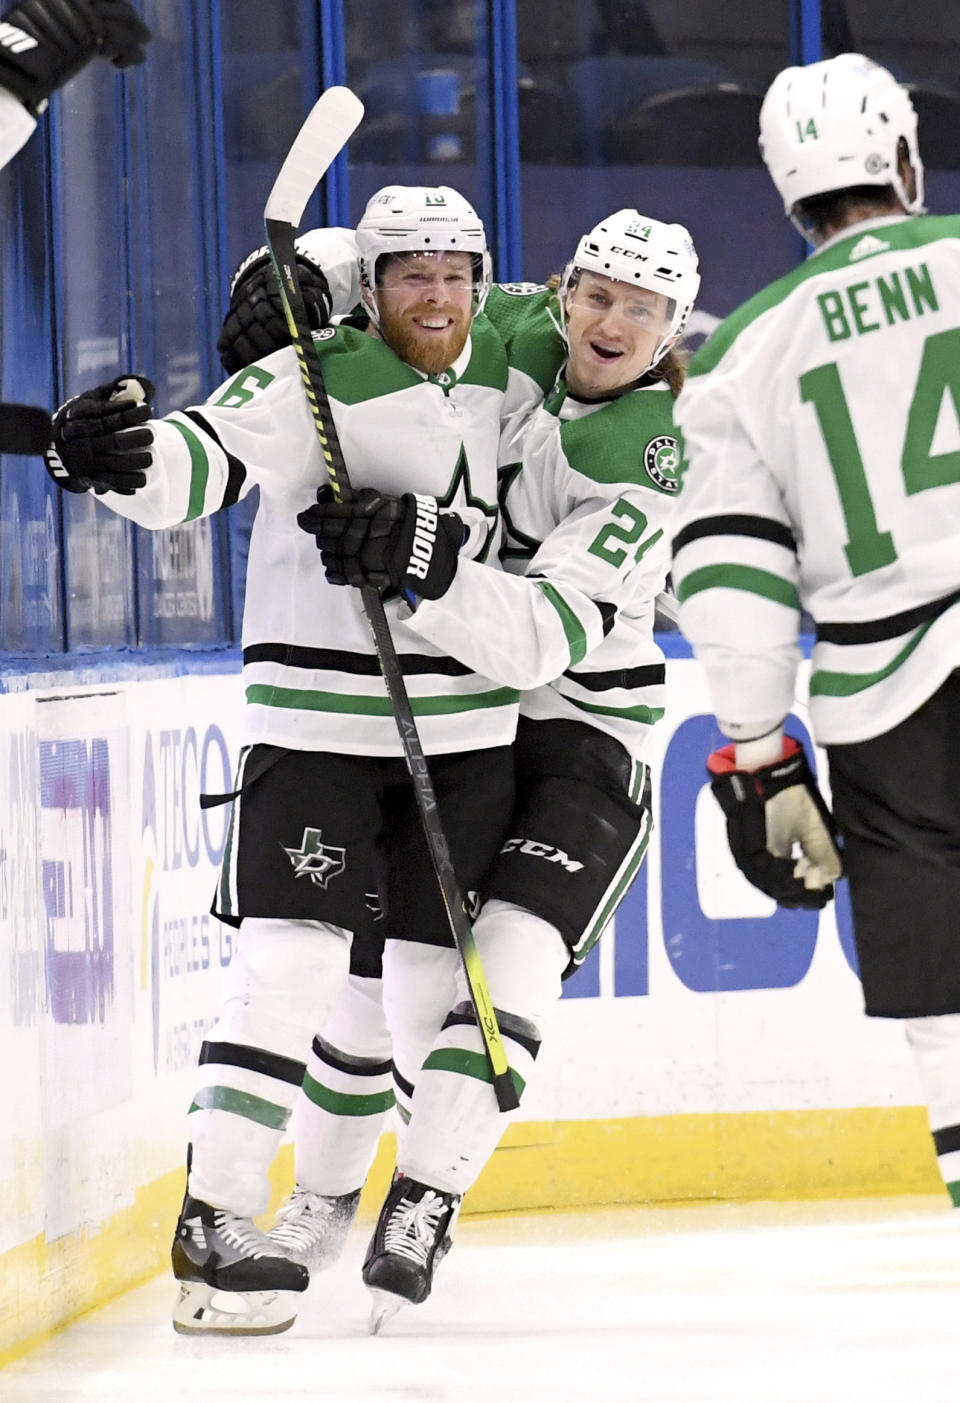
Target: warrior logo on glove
[402,543]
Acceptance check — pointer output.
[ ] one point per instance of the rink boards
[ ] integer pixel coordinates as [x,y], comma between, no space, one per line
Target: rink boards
[712,1047]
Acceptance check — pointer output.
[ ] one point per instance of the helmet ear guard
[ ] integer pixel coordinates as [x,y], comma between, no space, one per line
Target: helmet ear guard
[630,248]
[835,125]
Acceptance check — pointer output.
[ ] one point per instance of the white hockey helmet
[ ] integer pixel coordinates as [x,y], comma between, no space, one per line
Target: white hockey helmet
[418,219]
[837,124]
[631,248]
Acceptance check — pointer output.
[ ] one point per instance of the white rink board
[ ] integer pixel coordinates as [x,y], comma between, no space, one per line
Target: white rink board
[111,963]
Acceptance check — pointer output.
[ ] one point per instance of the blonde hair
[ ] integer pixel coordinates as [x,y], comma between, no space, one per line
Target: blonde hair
[673,366]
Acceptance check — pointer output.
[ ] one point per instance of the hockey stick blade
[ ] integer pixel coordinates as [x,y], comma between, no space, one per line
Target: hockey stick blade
[24,429]
[330,123]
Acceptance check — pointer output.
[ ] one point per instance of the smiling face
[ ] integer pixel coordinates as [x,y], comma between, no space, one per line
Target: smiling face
[426,307]
[614,331]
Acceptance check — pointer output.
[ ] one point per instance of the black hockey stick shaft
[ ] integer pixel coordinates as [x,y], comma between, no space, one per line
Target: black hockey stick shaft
[281,236]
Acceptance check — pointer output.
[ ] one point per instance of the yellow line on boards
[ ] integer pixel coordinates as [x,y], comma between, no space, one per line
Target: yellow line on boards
[539,1165]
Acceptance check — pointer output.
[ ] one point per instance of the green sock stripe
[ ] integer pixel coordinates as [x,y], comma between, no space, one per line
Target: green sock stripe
[954,1191]
[241,1103]
[467,1064]
[342,1103]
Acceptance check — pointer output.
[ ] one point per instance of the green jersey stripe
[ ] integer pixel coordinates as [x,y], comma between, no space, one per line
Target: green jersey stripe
[466,1064]
[241,1103]
[339,1103]
[848,684]
[199,469]
[573,629]
[745,577]
[297,699]
[646,715]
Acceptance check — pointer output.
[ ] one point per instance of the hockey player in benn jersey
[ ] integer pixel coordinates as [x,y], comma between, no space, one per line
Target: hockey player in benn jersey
[590,491]
[324,804]
[821,431]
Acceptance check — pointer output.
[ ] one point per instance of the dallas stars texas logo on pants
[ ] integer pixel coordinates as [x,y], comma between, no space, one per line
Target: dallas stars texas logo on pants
[316,860]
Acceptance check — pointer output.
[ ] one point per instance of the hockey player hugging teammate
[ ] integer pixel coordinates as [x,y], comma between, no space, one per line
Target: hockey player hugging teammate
[588,484]
[324,825]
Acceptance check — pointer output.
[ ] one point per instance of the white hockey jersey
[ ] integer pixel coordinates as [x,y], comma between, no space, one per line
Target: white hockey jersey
[588,493]
[16,126]
[587,501]
[310,671]
[821,426]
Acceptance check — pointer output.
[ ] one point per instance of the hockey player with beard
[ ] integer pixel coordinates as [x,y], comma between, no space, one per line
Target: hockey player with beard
[588,485]
[821,431]
[324,814]
[44,43]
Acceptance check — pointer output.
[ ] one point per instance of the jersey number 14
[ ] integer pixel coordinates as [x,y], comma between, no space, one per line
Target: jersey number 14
[867,547]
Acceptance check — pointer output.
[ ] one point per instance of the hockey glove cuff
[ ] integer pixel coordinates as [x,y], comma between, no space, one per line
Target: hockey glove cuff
[769,812]
[102,439]
[404,543]
[46,42]
[255,323]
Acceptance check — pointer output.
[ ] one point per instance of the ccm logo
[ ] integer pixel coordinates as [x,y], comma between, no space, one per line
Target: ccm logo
[530,848]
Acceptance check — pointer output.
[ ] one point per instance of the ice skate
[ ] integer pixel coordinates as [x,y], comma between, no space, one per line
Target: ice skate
[412,1236]
[312,1228]
[233,1279]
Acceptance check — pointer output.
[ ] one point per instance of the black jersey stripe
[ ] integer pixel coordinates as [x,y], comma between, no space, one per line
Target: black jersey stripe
[269,1064]
[236,472]
[879,630]
[653,675]
[763,528]
[331,1056]
[358,664]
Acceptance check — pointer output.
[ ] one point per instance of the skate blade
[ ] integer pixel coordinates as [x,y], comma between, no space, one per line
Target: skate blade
[384,1307]
[203,1310]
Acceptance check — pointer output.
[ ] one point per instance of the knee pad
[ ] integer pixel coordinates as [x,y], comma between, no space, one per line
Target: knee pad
[523,959]
[282,983]
[358,1024]
[419,990]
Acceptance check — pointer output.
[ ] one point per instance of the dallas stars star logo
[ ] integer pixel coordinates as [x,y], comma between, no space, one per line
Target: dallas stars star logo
[316,860]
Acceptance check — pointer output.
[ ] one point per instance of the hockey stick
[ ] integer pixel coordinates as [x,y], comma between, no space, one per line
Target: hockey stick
[333,118]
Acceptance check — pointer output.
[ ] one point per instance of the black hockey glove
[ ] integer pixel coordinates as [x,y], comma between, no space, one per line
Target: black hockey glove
[255,323]
[102,438]
[404,543]
[770,809]
[43,43]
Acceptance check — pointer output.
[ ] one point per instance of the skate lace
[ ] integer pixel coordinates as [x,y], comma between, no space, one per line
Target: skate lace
[302,1220]
[412,1228]
[242,1234]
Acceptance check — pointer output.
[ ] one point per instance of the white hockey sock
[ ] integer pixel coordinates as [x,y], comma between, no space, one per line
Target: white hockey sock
[419,990]
[456,1123]
[935,1044]
[283,975]
[347,1094]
